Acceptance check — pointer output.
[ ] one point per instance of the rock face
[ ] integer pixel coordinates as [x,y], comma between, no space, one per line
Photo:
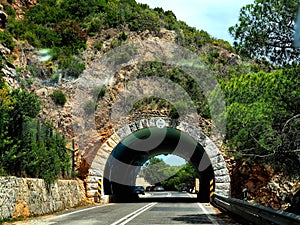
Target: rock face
[29,197]
[264,186]
[8,69]
[19,6]
[3,18]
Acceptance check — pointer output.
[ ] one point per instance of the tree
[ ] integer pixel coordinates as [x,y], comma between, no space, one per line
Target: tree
[25,105]
[171,177]
[80,9]
[156,170]
[27,147]
[266,29]
[5,120]
[71,35]
[184,177]
[263,118]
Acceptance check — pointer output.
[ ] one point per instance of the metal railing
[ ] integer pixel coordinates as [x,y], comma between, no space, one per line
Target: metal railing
[255,213]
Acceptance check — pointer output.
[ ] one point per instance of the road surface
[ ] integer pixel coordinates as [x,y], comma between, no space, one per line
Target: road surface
[153,208]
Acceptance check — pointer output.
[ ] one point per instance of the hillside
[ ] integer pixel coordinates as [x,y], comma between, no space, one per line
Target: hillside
[46,45]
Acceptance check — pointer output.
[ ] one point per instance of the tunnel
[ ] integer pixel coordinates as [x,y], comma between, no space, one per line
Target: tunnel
[128,156]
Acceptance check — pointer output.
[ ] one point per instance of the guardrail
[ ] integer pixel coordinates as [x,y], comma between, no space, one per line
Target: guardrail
[255,213]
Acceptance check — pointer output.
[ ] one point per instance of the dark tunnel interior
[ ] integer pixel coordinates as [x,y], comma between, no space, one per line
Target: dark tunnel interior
[127,158]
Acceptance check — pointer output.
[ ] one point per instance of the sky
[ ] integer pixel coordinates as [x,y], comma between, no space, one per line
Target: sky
[172,160]
[212,16]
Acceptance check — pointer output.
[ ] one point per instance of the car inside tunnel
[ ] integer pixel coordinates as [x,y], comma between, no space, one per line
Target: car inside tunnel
[128,157]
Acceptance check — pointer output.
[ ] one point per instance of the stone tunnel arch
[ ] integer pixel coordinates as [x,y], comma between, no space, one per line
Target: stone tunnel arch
[101,165]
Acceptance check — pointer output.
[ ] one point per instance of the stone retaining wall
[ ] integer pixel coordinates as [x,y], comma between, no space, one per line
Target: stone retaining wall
[28,197]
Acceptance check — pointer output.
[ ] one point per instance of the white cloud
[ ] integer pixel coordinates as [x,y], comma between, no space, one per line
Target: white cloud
[213,16]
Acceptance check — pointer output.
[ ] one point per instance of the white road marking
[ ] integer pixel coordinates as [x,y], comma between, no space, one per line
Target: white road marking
[205,211]
[124,220]
[81,210]
[207,214]
[47,220]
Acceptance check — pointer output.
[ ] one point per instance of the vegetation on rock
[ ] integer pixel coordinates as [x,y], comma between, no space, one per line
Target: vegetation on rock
[28,148]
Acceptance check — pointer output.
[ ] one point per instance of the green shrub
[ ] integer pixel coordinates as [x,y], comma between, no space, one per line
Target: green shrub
[115,43]
[123,36]
[101,93]
[80,9]
[71,35]
[72,66]
[31,38]
[58,97]
[2,61]
[95,25]
[33,70]
[3,173]
[174,113]
[7,40]
[9,9]
[47,37]
[98,45]
[145,20]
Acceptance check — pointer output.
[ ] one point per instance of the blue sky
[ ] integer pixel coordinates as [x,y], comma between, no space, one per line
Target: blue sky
[213,16]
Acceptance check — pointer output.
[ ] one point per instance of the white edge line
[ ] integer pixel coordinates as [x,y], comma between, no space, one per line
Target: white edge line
[134,214]
[82,210]
[207,214]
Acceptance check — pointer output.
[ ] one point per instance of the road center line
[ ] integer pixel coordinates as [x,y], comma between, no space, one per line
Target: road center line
[124,220]
[207,214]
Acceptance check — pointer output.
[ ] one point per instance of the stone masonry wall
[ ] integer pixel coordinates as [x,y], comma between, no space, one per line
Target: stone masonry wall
[29,197]
[96,170]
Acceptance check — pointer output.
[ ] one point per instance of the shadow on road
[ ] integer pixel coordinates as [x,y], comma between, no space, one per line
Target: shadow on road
[130,199]
[193,219]
[168,199]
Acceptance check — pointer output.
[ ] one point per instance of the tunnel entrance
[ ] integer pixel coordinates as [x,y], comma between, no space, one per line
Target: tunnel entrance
[127,158]
[120,158]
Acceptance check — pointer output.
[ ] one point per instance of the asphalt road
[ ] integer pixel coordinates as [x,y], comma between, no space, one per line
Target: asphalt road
[153,208]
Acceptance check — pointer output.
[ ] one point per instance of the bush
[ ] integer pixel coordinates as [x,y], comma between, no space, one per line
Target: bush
[123,36]
[59,97]
[72,66]
[9,10]
[80,9]
[71,35]
[7,40]
[31,38]
[95,25]
[145,20]
[2,61]
[98,45]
